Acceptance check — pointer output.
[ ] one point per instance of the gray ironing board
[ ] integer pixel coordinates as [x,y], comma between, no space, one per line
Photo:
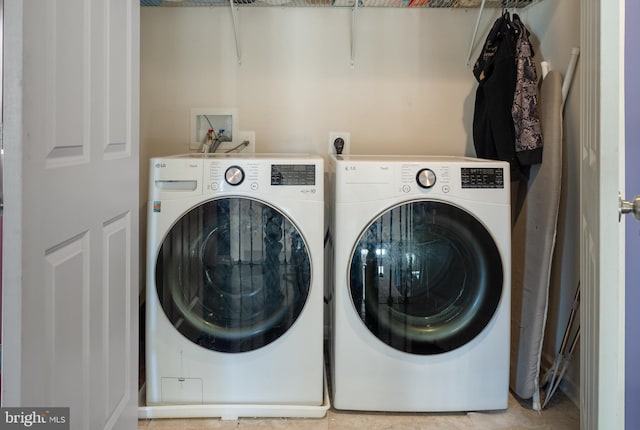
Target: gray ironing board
[534,216]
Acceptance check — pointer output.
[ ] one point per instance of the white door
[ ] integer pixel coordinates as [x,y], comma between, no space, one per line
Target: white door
[71,209]
[602,254]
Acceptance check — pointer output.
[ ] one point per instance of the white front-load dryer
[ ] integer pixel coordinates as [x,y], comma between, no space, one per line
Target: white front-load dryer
[234,296]
[421,288]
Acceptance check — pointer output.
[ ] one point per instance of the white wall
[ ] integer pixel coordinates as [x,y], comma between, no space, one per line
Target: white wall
[409,92]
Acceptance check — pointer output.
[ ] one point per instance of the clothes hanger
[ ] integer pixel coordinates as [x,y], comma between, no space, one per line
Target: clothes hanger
[514,7]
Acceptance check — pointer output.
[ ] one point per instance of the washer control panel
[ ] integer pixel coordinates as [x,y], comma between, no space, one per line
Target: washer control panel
[293,174]
[284,177]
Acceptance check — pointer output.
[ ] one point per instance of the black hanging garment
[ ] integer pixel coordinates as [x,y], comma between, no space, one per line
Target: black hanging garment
[503,71]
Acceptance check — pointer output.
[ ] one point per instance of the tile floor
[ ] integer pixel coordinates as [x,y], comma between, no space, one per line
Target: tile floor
[560,414]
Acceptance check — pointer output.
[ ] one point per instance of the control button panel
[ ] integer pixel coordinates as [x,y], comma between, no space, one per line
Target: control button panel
[482,177]
[234,175]
[426,178]
[293,174]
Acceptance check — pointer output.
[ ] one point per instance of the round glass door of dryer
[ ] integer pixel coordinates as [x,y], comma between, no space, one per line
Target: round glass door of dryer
[233,274]
[425,277]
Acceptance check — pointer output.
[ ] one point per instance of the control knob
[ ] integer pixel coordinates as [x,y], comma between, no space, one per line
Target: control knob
[426,178]
[234,175]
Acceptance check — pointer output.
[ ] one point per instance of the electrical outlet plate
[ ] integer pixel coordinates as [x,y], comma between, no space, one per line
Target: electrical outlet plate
[205,119]
[345,135]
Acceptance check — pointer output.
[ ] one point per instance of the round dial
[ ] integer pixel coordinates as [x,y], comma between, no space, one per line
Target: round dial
[234,175]
[426,178]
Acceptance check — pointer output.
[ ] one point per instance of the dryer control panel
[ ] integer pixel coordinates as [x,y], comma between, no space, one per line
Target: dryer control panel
[359,178]
[482,177]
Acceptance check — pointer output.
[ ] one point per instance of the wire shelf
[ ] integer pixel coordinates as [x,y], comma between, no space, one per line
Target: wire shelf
[234,5]
[342,3]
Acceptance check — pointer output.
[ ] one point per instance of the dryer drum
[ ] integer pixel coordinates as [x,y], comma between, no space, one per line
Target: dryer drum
[426,277]
[233,274]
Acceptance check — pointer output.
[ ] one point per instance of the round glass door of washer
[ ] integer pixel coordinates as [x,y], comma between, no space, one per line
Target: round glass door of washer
[233,274]
[425,277]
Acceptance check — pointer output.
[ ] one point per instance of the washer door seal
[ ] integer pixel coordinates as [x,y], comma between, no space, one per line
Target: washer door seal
[426,277]
[233,274]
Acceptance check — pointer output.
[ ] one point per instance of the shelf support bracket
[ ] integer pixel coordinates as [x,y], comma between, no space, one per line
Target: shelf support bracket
[354,24]
[475,33]
[234,17]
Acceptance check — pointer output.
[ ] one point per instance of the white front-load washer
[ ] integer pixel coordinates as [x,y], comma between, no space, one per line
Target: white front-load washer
[234,300]
[421,288]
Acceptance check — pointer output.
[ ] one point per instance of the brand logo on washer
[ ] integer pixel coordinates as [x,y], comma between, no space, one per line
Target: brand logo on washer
[160,165]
